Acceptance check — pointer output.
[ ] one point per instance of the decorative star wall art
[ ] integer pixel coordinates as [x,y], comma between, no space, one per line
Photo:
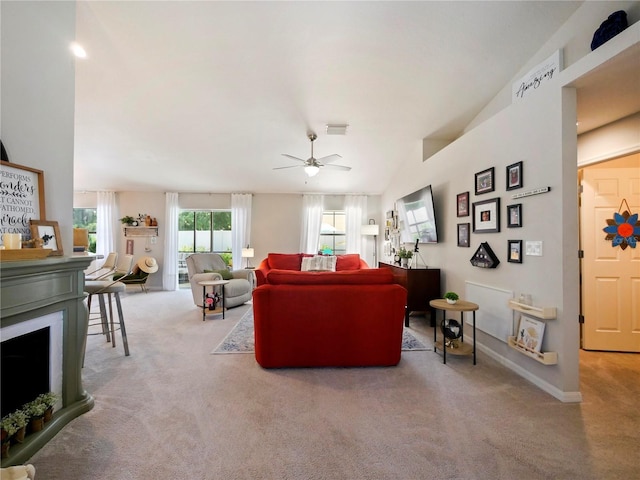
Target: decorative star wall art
[623,229]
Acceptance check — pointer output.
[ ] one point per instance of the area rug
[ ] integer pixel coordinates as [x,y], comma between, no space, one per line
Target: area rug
[240,339]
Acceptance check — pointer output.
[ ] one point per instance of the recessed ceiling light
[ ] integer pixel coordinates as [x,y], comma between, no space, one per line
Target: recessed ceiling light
[336,129]
[78,51]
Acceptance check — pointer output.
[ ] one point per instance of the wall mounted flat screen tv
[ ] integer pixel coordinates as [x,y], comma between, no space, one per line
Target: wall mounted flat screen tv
[417,217]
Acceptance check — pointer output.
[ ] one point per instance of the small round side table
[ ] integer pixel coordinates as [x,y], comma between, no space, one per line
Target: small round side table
[460,306]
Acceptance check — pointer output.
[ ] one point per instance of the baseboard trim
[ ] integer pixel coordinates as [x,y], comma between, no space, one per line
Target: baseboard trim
[565,397]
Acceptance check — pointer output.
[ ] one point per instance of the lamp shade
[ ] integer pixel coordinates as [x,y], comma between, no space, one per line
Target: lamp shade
[247,253]
[148,264]
[370,229]
[311,170]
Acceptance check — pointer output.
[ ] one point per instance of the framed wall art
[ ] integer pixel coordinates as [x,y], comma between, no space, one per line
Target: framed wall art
[21,198]
[484,181]
[49,233]
[464,230]
[515,251]
[514,176]
[486,216]
[514,215]
[462,202]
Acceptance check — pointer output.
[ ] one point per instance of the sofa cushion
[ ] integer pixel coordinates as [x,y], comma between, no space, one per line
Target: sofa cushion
[319,263]
[225,274]
[285,261]
[349,261]
[372,276]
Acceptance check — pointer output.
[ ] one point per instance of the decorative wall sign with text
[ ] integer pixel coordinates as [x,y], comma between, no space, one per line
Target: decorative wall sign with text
[21,198]
[537,76]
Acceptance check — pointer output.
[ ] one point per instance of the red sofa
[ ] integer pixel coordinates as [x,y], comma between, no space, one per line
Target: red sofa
[328,319]
[293,261]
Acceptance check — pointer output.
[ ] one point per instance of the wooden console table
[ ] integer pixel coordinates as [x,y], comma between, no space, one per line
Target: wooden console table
[422,284]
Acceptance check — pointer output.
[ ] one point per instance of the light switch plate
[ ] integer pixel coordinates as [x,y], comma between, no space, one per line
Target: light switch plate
[533,248]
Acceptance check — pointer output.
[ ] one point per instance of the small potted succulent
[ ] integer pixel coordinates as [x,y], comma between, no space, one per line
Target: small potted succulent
[20,420]
[451,297]
[127,220]
[9,428]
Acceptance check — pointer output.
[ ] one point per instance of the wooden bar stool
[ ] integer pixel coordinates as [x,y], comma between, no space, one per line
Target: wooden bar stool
[102,288]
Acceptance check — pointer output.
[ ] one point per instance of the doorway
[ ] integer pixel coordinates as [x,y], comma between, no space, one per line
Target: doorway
[610,275]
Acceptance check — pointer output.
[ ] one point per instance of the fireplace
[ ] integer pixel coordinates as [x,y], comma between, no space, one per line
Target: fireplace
[43,327]
[31,353]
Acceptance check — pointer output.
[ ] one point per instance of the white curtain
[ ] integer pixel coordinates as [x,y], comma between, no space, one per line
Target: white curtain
[312,209]
[107,221]
[240,225]
[170,266]
[355,208]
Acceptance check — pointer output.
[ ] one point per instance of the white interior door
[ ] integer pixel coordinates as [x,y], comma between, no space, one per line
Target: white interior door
[610,275]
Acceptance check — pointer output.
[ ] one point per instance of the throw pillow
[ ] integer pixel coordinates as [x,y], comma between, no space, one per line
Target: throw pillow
[225,274]
[319,263]
[349,261]
[284,261]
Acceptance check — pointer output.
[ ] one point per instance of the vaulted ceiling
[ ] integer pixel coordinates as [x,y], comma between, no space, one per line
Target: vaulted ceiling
[207,96]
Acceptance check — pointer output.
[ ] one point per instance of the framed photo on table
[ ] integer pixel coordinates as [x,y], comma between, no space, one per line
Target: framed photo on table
[514,176]
[484,181]
[486,216]
[462,202]
[49,233]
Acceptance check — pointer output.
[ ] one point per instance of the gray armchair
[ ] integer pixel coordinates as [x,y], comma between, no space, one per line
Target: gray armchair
[203,266]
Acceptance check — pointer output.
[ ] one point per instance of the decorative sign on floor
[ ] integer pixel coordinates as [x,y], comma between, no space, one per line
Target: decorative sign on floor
[528,193]
[539,75]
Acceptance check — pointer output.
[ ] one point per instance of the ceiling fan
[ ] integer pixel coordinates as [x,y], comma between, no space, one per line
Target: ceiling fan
[312,165]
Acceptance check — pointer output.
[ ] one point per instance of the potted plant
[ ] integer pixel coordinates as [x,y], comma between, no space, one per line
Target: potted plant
[35,409]
[20,420]
[9,428]
[127,220]
[405,255]
[451,297]
[49,399]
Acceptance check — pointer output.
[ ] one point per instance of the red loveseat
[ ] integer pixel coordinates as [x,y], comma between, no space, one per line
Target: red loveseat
[293,261]
[328,319]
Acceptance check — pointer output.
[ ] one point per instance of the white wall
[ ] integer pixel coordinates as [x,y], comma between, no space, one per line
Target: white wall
[541,133]
[37,116]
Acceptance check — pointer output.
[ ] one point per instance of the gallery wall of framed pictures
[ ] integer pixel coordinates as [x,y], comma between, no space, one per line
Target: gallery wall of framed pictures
[486,213]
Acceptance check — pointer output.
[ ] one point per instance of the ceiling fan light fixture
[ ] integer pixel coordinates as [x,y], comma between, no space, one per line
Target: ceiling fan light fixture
[311,170]
[333,129]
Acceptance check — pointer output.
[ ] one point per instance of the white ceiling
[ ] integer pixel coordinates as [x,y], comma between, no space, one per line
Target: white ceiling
[207,96]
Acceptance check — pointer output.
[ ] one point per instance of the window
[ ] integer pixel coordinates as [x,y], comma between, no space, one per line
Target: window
[205,231]
[333,238]
[87,218]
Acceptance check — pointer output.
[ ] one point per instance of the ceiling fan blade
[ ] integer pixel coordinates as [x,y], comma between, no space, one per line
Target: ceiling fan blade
[294,158]
[288,166]
[329,158]
[338,167]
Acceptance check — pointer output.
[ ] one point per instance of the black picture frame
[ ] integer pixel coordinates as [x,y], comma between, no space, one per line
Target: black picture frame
[514,215]
[514,176]
[486,216]
[464,235]
[485,181]
[462,204]
[514,252]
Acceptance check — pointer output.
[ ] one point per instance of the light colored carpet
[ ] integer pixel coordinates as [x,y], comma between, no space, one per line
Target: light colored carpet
[173,411]
[241,338]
